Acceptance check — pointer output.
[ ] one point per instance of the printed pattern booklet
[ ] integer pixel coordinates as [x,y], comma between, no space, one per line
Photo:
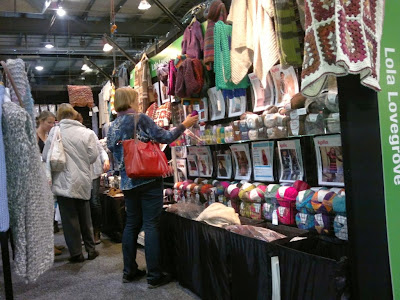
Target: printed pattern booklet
[263,161]
[291,161]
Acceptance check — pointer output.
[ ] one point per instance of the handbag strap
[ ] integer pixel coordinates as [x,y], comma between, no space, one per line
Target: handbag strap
[135,122]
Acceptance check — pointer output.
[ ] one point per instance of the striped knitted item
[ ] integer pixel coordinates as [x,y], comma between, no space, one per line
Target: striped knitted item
[4,215]
[216,12]
[222,58]
[287,33]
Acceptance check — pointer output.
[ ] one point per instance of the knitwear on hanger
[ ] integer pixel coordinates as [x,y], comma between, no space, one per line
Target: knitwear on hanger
[192,43]
[4,214]
[241,16]
[342,37]
[266,52]
[30,200]
[222,58]
[216,12]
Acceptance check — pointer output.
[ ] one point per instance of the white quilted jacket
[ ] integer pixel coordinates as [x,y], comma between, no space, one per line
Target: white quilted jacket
[75,181]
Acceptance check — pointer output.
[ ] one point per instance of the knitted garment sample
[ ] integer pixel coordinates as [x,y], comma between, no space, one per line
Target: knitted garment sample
[30,200]
[80,95]
[222,58]
[17,70]
[289,32]
[342,37]
[192,43]
[143,84]
[266,52]
[171,78]
[216,12]
[241,14]
[4,214]
[189,79]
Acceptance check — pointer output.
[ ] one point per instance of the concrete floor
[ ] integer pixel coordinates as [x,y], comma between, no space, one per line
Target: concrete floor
[97,279]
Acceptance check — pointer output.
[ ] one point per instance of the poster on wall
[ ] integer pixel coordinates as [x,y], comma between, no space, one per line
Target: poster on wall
[263,161]
[224,166]
[262,97]
[217,104]
[192,165]
[285,83]
[181,169]
[157,92]
[241,156]
[330,160]
[291,161]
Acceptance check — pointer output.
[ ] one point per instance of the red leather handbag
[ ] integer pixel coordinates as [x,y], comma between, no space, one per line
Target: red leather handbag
[144,160]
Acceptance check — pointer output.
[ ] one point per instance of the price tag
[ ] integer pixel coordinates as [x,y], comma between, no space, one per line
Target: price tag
[219,107]
[295,126]
[275,217]
[90,113]
[302,111]
[313,117]
[294,114]
[95,109]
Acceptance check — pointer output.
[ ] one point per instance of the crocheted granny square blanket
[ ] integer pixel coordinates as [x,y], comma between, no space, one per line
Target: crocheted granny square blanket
[342,37]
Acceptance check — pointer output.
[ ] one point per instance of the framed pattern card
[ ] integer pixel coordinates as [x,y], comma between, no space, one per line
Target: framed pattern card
[193,168]
[241,156]
[224,166]
[181,169]
[285,83]
[263,160]
[217,104]
[291,161]
[330,160]
[262,98]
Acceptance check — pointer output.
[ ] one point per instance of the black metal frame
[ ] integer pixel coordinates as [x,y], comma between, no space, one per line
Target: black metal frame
[365,199]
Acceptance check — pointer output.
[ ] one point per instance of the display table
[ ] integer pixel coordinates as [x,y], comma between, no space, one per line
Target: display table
[217,264]
[113,216]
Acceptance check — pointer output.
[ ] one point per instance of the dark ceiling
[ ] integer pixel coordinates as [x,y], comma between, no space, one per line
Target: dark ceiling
[27,25]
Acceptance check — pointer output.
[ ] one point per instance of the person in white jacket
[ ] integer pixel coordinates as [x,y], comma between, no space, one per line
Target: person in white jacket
[73,184]
[102,164]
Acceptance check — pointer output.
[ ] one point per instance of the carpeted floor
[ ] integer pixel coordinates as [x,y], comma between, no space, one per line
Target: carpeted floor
[97,279]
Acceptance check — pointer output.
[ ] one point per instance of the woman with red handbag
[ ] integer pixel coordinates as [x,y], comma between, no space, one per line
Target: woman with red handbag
[143,196]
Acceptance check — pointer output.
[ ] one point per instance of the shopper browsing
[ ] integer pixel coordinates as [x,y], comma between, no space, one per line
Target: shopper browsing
[73,184]
[143,197]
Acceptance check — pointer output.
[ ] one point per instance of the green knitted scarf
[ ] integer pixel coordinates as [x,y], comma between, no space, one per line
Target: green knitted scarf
[222,58]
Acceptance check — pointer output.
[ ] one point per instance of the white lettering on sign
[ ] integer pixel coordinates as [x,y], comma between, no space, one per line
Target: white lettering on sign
[393,98]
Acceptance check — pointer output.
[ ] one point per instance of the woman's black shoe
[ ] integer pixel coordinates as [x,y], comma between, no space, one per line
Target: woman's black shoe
[133,277]
[155,283]
[76,259]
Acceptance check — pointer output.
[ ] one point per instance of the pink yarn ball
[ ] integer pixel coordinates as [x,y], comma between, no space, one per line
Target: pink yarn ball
[285,195]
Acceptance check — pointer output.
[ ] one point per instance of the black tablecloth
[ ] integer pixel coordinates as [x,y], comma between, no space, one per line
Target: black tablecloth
[217,264]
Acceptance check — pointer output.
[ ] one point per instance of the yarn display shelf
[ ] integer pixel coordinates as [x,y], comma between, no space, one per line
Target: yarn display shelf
[263,140]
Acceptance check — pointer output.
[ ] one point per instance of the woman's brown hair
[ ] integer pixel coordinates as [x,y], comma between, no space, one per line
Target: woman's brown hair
[125,98]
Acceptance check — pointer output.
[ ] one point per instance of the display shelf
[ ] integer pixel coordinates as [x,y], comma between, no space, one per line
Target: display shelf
[262,140]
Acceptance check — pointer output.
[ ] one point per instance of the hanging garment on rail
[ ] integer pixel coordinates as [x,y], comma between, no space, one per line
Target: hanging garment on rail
[30,200]
[4,215]
[192,43]
[17,71]
[80,95]
[143,84]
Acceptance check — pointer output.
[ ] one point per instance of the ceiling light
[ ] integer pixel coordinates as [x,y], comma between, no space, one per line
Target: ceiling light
[61,12]
[143,5]
[47,4]
[107,47]
[49,46]
[39,68]
[85,67]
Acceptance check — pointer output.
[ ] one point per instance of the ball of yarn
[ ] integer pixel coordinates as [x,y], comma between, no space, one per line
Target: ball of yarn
[233,192]
[225,184]
[270,120]
[323,224]
[168,192]
[256,195]
[286,195]
[267,210]
[286,215]
[220,190]
[215,183]
[322,201]
[247,187]
[339,203]
[263,188]
[305,221]
[270,193]
[300,185]
[340,227]
[303,201]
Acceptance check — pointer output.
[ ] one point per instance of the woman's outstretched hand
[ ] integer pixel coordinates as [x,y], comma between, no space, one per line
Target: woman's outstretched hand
[190,121]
